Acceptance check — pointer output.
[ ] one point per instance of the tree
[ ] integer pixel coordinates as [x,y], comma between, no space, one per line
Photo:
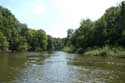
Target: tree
[81,38]
[122,21]
[37,40]
[41,39]
[113,30]
[50,41]
[69,36]
[3,42]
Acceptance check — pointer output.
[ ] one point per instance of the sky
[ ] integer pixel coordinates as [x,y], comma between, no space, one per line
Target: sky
[57,16]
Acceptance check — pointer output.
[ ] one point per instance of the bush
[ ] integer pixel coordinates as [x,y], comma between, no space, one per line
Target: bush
[68,49]
[107,51]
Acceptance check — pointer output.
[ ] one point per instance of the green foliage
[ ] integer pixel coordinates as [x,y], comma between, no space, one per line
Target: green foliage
[67,41]
[3,42]
[23,47]
[108,30]
[68,49]
[50,41]
[58,43]
[81,38]
[17,36]
[107,51]
[37,40]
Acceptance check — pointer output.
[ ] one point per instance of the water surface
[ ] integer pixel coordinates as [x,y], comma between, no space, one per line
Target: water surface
[59,67]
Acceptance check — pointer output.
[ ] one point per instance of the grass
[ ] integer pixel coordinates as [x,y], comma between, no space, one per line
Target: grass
[67,49]
[107,51]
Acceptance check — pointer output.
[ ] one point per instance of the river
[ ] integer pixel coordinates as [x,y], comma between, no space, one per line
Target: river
[59,67]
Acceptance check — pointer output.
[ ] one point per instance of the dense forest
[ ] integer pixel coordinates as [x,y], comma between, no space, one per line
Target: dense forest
[105,36]
[15,36]
[106,33]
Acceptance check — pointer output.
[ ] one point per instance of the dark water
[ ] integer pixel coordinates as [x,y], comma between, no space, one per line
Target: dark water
[59,67]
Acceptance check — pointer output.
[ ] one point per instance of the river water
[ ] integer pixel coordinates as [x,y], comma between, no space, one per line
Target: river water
[59,67]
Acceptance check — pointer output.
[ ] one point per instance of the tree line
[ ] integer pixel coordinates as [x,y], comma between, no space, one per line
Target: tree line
[16,36]
[109,30]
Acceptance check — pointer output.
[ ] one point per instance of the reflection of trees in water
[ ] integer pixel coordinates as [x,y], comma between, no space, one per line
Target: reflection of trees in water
[99,68]
[59,67]
[10,65]
[37,58]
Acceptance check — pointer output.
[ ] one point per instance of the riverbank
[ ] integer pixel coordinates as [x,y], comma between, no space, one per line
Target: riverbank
[107,52]
[67,49]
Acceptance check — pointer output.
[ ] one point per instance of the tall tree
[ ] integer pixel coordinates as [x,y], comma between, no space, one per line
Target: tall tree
[3,42]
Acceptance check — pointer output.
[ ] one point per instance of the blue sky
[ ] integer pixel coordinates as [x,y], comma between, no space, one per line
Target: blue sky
[57,16]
